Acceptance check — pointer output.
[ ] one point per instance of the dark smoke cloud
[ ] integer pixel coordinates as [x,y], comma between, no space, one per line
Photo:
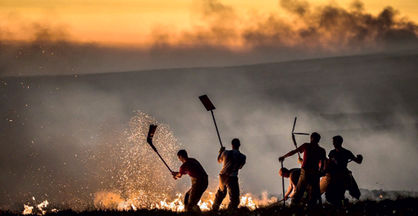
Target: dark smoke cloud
[321,31]
[51,126]
[296,7]
[333,28]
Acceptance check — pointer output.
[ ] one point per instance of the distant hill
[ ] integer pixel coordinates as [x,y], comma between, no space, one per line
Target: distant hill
[49,123]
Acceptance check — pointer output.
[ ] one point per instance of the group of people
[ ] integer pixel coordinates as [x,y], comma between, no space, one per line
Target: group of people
[319,174]
[336,178]
[232,160]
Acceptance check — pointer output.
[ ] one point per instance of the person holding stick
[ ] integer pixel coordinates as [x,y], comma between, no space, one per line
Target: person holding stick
[313,163]
[199,179]
[232,160]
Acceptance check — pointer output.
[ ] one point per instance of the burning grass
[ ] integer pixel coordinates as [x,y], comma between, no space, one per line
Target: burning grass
[401,206]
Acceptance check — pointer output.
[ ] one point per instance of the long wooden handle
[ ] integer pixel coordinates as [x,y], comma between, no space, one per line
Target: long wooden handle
[216,126]
[284,201]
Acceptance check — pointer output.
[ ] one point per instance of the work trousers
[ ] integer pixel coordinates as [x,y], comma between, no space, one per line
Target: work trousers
[339,183]
[308,178]
[353,187]
[227,184]
[336,188]
[193,195]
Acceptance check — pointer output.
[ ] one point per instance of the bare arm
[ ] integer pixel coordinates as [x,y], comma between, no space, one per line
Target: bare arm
[221,151]
[290,153]
[289,190]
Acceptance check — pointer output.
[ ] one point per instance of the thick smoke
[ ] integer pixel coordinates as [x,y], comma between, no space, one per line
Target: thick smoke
[63,137]
[54,125]
[222,37]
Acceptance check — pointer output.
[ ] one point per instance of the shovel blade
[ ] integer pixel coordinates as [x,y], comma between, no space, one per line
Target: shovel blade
[151,132]
[206,102]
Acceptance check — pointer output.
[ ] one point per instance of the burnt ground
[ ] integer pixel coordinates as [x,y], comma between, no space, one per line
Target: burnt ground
[403,206]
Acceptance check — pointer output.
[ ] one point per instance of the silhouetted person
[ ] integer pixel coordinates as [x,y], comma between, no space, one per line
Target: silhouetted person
[340,177]
[293,175]
[313,161]
[199,179]
[232,160]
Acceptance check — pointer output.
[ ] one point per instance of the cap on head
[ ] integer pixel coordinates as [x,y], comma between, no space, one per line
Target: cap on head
[337,140]
[235,143]
[182,153]
[315,137]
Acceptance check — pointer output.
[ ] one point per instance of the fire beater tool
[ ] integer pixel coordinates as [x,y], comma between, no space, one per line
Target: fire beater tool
[151,132]
[294,137]
[210,107]
[284,199]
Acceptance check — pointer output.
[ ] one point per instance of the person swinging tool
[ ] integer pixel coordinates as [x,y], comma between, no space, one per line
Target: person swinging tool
[313,155]
[199,179]
[233,160]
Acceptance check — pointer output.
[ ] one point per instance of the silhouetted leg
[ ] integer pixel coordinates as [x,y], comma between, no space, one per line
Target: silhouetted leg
[341,188]
[300,188]
[198,188]
[324,182]
[233,187]
[336,191]
[353,187]
[331,193]
[219,197]
[186,199]
[315,197]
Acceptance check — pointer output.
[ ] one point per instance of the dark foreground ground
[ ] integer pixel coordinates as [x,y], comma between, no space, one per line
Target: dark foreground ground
[404,206]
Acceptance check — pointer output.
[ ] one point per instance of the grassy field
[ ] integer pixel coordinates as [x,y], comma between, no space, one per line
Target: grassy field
[402,206]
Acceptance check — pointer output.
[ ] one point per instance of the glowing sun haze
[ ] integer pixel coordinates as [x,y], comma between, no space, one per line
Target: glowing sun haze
[135,22]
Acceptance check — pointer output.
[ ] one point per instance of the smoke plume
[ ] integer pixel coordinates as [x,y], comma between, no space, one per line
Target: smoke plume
[222,37]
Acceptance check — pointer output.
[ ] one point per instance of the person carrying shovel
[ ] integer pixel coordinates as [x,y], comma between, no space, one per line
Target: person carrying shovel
[199,179]
[232,160]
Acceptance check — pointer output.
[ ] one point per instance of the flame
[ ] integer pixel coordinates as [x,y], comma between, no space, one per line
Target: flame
[113,201]
[41,208]
[247,201]
[205,205]
[27,209]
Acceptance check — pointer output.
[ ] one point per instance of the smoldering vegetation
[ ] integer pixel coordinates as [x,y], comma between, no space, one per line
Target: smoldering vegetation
[52,126]
[401,206]
[222,37]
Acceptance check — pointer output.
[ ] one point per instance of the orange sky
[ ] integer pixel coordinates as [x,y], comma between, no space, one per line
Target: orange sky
[132,21]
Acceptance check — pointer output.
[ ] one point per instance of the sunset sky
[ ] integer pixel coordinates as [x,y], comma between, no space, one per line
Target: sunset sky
[133,21]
